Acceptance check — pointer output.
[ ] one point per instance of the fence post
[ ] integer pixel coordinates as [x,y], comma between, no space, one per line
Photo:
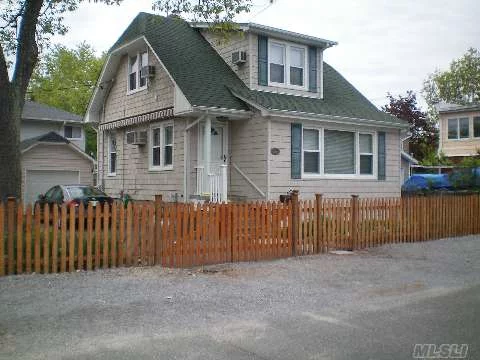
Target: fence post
[158,251]
[354,222]
[295,221]
[318,209]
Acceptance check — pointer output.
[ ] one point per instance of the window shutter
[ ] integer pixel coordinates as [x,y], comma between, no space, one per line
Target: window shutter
[262,60]
[296,158]
[381,156]
[312,69]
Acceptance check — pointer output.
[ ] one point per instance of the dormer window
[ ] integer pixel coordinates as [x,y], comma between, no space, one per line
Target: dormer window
[135,63]
[287,64]
[297,66]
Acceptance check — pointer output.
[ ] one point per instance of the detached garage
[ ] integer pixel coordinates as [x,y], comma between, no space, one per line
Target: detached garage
[50,160]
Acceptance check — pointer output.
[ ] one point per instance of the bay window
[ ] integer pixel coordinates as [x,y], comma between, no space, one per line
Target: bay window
[161,148]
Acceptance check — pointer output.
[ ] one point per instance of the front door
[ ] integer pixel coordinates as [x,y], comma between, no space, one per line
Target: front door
[218,153]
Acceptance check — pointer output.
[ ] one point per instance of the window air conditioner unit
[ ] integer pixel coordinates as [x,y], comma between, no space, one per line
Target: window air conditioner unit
[147,71]
[137,137]
[239,57]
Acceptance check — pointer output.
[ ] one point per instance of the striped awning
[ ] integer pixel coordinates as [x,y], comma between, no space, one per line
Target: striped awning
[161,114]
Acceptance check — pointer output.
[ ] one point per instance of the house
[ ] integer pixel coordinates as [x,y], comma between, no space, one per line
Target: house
[459,130]
[53,150]
[406,159]
[182,111]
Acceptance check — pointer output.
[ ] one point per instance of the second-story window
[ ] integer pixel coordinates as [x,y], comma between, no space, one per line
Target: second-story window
[297,66]
[135,64]
[72,132]
[458,128]
[277,63]
[287,65]
[476,126]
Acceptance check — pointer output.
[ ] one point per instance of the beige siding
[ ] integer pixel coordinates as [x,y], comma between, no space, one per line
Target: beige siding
[280,172]
[248,146]
[461,147]
[159,93]
[57,157]
[248,72]
[133,175]
[226,45]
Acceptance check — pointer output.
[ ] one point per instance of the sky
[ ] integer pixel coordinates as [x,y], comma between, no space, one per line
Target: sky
[383,46]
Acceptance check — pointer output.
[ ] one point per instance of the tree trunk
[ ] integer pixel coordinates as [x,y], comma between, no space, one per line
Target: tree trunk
[10,156]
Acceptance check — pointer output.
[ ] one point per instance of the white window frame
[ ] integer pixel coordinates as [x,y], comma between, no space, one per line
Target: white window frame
[162,166]
[110,152]
[473,126]
[359,154]
[137,77]
[319,151]
[457,120]
[72,126]
[287,46]
[357,174]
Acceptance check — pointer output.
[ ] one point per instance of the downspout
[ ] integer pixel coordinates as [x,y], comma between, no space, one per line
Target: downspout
[107,92]
[185,162]
[269,139]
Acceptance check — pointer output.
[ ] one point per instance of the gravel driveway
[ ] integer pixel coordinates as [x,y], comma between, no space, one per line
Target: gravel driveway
[318,307]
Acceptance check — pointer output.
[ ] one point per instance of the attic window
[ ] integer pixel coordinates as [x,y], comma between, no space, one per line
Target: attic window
[135,64]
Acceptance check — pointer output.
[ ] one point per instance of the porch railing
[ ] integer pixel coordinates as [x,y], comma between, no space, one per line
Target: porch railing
[200,180]
[216,187]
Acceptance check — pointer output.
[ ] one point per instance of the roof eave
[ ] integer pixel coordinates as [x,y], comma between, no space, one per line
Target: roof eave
[276,32]
[319,117]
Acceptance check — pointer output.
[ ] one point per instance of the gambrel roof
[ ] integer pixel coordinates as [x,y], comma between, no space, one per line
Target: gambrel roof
[207,81]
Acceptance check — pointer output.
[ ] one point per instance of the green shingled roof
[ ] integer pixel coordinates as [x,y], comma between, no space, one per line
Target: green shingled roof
[206,80]
[340,99]
[199,71]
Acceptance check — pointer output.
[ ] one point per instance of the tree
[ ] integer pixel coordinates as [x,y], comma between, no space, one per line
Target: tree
[424,132]
[25,29]
[65,79]
[460,84]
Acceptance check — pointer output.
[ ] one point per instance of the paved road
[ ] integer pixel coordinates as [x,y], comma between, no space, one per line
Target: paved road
[371,305]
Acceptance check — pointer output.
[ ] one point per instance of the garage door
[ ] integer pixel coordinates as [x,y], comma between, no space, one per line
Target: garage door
[39,181]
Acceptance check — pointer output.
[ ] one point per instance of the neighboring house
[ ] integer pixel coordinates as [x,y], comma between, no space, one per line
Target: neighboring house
[52,147]
[459,130]
[406,159]
[184,112]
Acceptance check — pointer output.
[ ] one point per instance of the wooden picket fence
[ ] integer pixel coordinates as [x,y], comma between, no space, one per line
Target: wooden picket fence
[60,239]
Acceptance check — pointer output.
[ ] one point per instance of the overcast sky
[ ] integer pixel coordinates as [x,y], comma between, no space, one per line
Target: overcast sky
[384,46]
